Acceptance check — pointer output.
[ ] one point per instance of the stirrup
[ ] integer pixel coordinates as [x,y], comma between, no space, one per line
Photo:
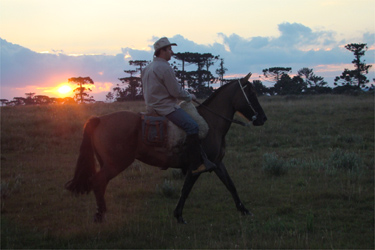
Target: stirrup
[202,168]
[207,166]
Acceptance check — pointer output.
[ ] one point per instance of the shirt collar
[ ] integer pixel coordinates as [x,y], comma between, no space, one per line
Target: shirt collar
[158,59]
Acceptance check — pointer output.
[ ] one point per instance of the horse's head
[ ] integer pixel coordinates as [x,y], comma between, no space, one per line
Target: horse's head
[246,102]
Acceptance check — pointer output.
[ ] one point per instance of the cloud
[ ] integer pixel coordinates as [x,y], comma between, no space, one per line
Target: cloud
[369,38]
[297,46]
[22,67]
[296,35]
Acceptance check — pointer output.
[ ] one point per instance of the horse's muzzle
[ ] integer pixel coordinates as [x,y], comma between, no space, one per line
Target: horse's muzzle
[260,120]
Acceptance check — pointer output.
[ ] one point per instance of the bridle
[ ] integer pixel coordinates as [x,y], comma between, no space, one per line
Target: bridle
[234,120]
[248,102]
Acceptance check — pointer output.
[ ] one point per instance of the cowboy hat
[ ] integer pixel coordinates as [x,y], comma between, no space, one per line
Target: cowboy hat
[161,43]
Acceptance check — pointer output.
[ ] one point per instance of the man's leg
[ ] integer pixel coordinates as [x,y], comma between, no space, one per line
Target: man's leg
[199,162]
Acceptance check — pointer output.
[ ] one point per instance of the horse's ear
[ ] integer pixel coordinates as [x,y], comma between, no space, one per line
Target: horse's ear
[246,78]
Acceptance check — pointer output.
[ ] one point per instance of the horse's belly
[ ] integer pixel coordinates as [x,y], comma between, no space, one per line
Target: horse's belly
[160,157]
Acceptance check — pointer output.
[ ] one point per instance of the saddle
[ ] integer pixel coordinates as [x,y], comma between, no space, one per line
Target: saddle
[154,130]
[158,131]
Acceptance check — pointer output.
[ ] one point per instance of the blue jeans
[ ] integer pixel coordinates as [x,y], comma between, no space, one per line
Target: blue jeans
[184,121]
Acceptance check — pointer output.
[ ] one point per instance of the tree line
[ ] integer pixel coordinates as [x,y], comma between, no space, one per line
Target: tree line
[200,80]
[81,95]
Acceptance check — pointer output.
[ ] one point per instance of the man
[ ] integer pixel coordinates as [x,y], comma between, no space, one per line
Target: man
[162,92]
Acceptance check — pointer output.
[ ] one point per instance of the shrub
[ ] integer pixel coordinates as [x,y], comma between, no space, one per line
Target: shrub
[177,174]
[345,160]
[273,166]
[169,190]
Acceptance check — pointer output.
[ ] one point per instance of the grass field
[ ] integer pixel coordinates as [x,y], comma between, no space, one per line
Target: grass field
[307,175]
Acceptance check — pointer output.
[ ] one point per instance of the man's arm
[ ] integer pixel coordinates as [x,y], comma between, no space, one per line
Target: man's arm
[174,88]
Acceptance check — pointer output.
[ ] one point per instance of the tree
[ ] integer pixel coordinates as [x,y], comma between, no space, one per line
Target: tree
[357,76]
[141,64]
[221,71]
[306,73]
[29,99]
[18,101]
[316,84]
[109,97]
[54,100]
[197,79]
[3,102]
[289,86]
[81,94]
[276,73]
[29,95]
[42,99]
[208,61]
[133,90]
[68,100]
[181,74]
[260,88]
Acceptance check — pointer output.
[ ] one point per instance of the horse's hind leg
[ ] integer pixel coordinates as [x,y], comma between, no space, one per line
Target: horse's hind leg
[99,182]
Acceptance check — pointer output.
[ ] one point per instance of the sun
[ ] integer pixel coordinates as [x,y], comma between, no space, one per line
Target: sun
[64,89]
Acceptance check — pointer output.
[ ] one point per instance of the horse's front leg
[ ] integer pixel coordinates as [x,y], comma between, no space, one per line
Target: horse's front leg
[223,175]
[188,185]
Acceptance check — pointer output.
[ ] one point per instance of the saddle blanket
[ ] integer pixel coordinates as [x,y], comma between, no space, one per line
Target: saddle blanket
[154,130]
[158,131]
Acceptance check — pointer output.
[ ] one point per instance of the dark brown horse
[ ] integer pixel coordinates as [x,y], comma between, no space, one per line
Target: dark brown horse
[115,140]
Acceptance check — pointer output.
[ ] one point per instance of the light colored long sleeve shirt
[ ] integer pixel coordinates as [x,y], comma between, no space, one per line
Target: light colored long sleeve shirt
[161,89]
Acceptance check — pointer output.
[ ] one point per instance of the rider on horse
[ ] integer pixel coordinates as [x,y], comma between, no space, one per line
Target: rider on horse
[162,91]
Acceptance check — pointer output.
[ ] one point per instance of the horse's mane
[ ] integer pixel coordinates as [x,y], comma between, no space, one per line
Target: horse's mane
[214,94]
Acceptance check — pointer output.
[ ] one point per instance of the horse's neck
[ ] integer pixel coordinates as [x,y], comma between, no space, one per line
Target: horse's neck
[219,107]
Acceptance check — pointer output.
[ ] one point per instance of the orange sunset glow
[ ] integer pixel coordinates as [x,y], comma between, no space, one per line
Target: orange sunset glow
[64,90]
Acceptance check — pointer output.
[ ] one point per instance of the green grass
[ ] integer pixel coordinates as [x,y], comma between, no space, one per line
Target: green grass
[324,198]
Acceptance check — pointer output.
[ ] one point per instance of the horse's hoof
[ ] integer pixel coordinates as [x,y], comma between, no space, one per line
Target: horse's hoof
[99,218]
[247,212]
[179,218]
[243,210]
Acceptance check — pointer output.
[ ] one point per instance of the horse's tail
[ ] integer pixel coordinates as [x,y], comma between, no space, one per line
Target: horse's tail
[85,167]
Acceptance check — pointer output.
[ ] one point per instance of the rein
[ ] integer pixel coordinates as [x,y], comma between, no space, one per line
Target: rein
[221,116]
[234,120]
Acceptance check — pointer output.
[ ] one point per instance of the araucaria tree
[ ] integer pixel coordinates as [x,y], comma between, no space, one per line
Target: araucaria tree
[133,89]
[196,80]
[221,71]
[315,84]
[81,94]
[357,76]
[133,84]
[275,73]
[140,65]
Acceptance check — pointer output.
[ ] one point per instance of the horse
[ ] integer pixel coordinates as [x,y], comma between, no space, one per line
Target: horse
[116,141]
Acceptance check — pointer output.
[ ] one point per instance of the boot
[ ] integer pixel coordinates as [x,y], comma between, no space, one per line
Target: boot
[199,162]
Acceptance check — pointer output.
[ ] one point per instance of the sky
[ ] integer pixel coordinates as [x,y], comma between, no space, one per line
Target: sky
[46,42]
